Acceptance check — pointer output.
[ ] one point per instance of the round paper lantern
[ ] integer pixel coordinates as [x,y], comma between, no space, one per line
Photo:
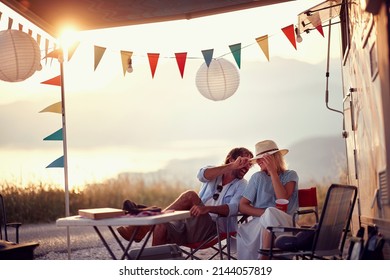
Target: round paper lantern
[218,81]
[20,56]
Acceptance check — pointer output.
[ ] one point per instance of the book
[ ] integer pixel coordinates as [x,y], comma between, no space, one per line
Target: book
[101,213]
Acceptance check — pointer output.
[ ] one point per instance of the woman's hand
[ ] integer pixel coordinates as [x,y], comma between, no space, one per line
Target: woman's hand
[270,163]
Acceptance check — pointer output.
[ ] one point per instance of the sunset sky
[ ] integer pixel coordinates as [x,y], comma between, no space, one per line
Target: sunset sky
[136,123]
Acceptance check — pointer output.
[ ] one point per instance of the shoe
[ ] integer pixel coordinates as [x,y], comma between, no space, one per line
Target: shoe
[132,208]
[127,232]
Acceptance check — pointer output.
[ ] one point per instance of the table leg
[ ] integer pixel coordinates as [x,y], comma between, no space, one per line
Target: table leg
[104,242]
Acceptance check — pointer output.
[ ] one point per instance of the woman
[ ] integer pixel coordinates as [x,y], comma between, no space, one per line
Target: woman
[273,181]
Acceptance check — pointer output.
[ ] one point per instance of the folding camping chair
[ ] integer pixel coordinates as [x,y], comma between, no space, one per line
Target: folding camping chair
[308,204]
[4,224]
[13,250]
[219,242]
[328,237]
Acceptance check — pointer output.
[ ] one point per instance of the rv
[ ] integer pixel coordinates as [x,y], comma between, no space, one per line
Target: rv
[364,26]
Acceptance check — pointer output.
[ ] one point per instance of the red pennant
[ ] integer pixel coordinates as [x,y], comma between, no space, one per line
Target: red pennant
[56,81]
[289,31]
[153,59]
[319,28]
[181,62]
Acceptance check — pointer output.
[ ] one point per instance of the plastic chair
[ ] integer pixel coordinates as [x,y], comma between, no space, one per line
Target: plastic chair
[4,224]
[328,237]
[308,204]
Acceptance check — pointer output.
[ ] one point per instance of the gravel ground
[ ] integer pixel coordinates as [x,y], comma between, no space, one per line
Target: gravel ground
[85,243]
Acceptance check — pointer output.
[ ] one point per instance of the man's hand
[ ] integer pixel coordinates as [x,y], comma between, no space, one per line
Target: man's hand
[198,210]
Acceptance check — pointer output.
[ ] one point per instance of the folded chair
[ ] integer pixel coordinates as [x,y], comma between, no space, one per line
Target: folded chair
[324,241]
[13,250]
[4,225]
[219,242]
[308,204]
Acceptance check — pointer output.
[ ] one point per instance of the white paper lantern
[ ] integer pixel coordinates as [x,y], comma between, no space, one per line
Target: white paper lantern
[218,81]
[20,56]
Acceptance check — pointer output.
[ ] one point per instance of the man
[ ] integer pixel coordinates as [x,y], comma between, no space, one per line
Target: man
[220,194]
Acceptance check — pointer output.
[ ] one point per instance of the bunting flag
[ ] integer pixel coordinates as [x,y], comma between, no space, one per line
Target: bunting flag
[181,62]
[208,56]
[56,136]
[59,162]
[263,43]
[126,59]
[56,81]
[46,49]
[153,60]
[99,51]
[54,108]
[236,51]
[315,20]
[54,54]
[289,31]
[10,22]
[72,49]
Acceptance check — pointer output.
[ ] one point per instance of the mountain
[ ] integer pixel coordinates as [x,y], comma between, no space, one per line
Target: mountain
[316,160]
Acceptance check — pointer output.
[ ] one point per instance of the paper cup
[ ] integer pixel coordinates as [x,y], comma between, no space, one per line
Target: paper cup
[282,204]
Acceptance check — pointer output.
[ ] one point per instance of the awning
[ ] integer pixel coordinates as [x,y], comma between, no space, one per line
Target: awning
[53,15]
[309,19]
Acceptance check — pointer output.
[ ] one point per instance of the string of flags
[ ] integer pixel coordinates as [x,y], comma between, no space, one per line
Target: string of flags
[289,31]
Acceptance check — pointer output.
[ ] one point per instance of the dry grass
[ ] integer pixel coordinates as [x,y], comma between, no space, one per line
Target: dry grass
[46,203]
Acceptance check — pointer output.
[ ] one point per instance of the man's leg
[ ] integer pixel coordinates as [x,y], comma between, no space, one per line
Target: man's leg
[184,202]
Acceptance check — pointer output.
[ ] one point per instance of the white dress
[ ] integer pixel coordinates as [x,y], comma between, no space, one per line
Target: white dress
[249,235]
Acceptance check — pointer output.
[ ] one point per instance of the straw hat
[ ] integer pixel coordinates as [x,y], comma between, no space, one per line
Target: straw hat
[267,147]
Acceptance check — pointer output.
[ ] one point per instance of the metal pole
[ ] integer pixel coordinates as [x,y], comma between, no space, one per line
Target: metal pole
[67,212]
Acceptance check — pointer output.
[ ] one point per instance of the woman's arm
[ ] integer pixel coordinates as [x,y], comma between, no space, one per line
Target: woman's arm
[246,207]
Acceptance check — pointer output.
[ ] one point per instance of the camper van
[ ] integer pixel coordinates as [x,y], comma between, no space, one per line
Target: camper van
[364,26]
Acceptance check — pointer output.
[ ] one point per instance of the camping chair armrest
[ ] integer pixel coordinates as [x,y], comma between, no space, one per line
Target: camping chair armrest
[289,229]
[15,225]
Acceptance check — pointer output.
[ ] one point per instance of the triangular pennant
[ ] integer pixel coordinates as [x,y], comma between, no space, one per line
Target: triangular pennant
[39,39]
[126,60]
[53,108]
[289,31]
[236,51]
[56,81]
[153,60]
[263,43]
[315,20]
[56,136]
[10,22]
[46,49]
[54,54]
[72,49]
[99,51]
[181,62]
[208,56]
[59,162]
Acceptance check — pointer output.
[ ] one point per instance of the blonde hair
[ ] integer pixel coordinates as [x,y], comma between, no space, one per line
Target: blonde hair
[280,162]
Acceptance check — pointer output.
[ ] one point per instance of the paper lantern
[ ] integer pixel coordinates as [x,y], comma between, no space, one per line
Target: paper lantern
[218,81]
[20,56]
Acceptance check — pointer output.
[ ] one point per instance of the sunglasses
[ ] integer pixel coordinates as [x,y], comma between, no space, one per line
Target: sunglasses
[216,195]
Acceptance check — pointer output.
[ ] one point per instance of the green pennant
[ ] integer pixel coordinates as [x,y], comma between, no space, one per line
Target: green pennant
[236,51]
[59,162]
[56,136]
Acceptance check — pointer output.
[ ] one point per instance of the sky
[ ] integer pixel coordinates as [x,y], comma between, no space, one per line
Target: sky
[136,123]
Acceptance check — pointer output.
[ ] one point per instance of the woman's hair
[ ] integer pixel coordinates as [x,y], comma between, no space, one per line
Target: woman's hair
[236,152]
[280,162]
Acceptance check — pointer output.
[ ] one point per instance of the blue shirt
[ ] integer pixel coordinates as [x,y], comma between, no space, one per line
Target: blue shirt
[232,195]
[261,194]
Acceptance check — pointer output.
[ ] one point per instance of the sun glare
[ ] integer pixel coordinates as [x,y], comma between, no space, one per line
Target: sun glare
[68,37]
